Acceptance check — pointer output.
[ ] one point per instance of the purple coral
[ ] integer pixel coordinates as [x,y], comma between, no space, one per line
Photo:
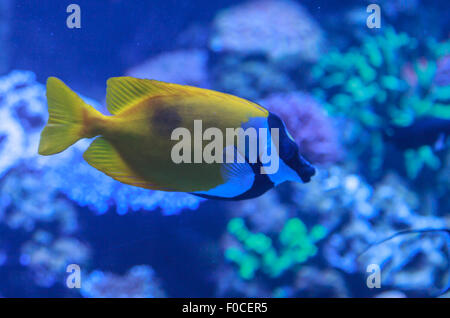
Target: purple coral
[442,77]
[308,123]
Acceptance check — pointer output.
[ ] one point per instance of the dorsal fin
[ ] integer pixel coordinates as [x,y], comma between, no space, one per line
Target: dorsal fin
[104,157]
[124,92]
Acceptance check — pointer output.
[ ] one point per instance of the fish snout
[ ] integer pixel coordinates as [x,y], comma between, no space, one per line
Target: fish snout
[308,172]
[305,170]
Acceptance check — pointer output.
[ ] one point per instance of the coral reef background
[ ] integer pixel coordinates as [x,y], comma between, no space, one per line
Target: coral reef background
[344,91]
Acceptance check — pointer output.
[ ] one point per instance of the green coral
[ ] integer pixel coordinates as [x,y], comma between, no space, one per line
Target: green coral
[368,85]
[294,245]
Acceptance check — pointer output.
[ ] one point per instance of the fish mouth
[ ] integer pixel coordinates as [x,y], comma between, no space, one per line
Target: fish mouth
[304,169]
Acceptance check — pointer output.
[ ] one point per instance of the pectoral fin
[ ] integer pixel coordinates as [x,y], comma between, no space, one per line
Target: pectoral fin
[239,178]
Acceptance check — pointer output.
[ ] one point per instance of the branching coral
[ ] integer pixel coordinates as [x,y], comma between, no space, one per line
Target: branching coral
[417,263]
[382,84]
[308,123]
[258,252]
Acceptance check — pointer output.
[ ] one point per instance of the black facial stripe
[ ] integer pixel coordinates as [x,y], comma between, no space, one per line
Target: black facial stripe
[287,147]
[261,184]
[289,151]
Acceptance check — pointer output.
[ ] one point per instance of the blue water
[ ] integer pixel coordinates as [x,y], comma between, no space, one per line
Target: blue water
[341,87]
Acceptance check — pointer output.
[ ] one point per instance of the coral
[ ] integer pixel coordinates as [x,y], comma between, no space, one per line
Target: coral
[254,252]
[138,282]
[24,202]
[308,123]
[313,282]
[382,83]
[230,284]
[275,28]
[249,78]
[265,248]
[271,215]
[414,263]
[48,257]
[343,108]
[186,67]
[358,215]
[443,185]
[391,294]
[332,195]
[23,114]
[442,77]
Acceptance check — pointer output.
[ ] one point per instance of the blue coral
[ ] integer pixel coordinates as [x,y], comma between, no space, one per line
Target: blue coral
[47,256]
[139,282]
[359,214]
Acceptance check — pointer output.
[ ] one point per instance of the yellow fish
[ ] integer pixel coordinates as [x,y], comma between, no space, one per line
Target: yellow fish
[135,145]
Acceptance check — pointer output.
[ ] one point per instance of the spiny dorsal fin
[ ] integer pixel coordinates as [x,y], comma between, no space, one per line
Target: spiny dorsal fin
[104,157]
[123,92]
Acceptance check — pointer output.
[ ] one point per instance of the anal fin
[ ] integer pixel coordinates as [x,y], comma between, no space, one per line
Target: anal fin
[104,157]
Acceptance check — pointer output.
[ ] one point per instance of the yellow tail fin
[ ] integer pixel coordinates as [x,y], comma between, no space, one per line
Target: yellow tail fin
[69,118]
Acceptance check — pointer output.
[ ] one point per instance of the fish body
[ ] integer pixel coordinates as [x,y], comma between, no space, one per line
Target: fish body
[135,145]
